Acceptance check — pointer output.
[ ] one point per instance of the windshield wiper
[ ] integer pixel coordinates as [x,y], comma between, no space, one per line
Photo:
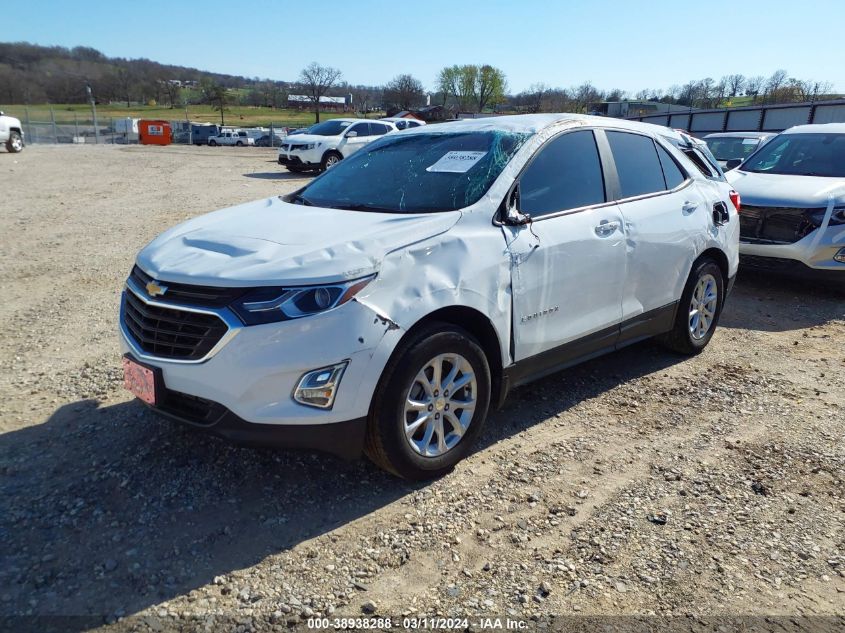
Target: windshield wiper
[365,207]
[302,200]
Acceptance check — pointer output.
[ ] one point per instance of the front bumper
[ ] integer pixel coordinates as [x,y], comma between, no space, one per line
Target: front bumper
[251,377]
[300,158]
[814,251]
[344,439]
[793,269]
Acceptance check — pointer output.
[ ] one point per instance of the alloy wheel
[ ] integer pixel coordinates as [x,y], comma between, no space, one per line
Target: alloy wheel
[703,305]
[440,405]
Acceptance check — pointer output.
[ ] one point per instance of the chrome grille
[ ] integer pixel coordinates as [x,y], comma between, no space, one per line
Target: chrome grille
[168,332]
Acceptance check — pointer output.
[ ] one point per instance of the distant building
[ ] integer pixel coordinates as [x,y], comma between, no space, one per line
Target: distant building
[432,113]
[630,108]
[326,103]
[404,114]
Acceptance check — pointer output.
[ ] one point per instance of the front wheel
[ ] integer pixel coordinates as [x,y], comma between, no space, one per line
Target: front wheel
[430,405]
[330,160]
[699,309]
[15,142]
[239,144]
[212,143]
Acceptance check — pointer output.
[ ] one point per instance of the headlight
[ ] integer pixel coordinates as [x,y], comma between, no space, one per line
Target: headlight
[310,146]
[270,305]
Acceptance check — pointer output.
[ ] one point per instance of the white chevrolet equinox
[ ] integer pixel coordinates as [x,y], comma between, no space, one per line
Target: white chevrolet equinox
[388,304]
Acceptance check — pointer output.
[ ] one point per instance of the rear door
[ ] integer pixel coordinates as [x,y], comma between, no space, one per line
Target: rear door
[665,216]
[568,264]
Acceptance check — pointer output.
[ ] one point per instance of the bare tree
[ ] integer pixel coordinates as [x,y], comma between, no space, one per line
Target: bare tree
[617,94]
[774,85]
[534,97]
[317,80]
[753,86]
[216,95]
[735,84]
[404,92]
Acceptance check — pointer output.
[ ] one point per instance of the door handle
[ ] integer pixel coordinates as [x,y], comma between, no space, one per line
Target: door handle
[606,228]
[689,207]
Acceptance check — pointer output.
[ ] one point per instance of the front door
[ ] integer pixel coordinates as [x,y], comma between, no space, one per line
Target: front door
[568,264]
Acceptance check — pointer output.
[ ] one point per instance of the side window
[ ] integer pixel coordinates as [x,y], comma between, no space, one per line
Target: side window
[671,172]
[636,163]
[378,129]
[700,161]
[363,129]
[566,174]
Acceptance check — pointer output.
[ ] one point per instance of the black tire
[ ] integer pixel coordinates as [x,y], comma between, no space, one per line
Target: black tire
[14,144]
[240,143]
[330,159]
[386,444]
[212,143]
[680,338]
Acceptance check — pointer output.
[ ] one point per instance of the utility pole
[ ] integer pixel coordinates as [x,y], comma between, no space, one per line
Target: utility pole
[93,112]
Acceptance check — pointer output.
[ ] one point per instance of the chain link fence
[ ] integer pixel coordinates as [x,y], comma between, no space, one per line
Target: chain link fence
[124,131]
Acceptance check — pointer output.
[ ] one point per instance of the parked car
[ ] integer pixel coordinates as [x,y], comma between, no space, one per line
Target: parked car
[402,123]
[237,137]
[731,148]
[793,193]
[11,133]
[324,145]
[389,303]
[269,141]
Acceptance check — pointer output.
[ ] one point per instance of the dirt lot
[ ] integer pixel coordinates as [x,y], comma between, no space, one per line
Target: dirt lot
[639,483]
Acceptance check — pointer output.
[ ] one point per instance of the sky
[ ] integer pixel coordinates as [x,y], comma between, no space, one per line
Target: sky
[613,44]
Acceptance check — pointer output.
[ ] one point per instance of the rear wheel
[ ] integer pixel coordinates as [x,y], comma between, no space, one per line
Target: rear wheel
[430,405]
[212,143]
[15,142]
[330,160]
[699,309]
[239,144]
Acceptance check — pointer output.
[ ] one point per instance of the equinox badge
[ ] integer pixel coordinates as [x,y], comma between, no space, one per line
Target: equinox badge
[155,290]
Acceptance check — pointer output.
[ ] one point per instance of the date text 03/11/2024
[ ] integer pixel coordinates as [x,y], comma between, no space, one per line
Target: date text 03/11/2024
[384,623]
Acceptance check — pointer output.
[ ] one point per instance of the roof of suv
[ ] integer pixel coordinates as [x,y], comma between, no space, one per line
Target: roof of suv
[740,134]
[533,123]
[817,128]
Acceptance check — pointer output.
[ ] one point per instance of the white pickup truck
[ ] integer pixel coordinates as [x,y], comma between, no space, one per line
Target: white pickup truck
[11,133]
[238,137]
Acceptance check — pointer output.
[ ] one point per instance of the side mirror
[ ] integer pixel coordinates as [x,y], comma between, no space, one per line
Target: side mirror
[510,207]
[351,134]
[733,162]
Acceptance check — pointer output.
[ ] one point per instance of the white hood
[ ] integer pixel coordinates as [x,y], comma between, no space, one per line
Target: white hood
[778,190]
[271,242]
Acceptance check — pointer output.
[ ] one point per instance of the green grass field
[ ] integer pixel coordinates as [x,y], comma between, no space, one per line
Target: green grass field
[247,116]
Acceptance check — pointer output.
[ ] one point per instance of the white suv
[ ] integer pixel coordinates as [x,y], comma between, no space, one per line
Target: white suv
[324,145]
[793,190]
[389,303]
[11,133]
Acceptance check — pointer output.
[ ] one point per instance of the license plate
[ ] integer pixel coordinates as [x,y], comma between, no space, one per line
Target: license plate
[139,380]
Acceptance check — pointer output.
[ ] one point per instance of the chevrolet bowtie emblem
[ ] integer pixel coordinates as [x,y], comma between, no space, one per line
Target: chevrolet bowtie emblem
[155,290]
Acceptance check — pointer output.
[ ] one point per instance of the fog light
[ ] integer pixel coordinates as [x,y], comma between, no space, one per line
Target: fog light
[840,256]
[318,388]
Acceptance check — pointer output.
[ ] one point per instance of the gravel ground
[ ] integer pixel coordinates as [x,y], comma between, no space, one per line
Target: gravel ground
[639,483]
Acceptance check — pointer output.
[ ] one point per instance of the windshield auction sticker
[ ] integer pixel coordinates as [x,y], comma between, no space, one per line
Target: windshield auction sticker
[456,162]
